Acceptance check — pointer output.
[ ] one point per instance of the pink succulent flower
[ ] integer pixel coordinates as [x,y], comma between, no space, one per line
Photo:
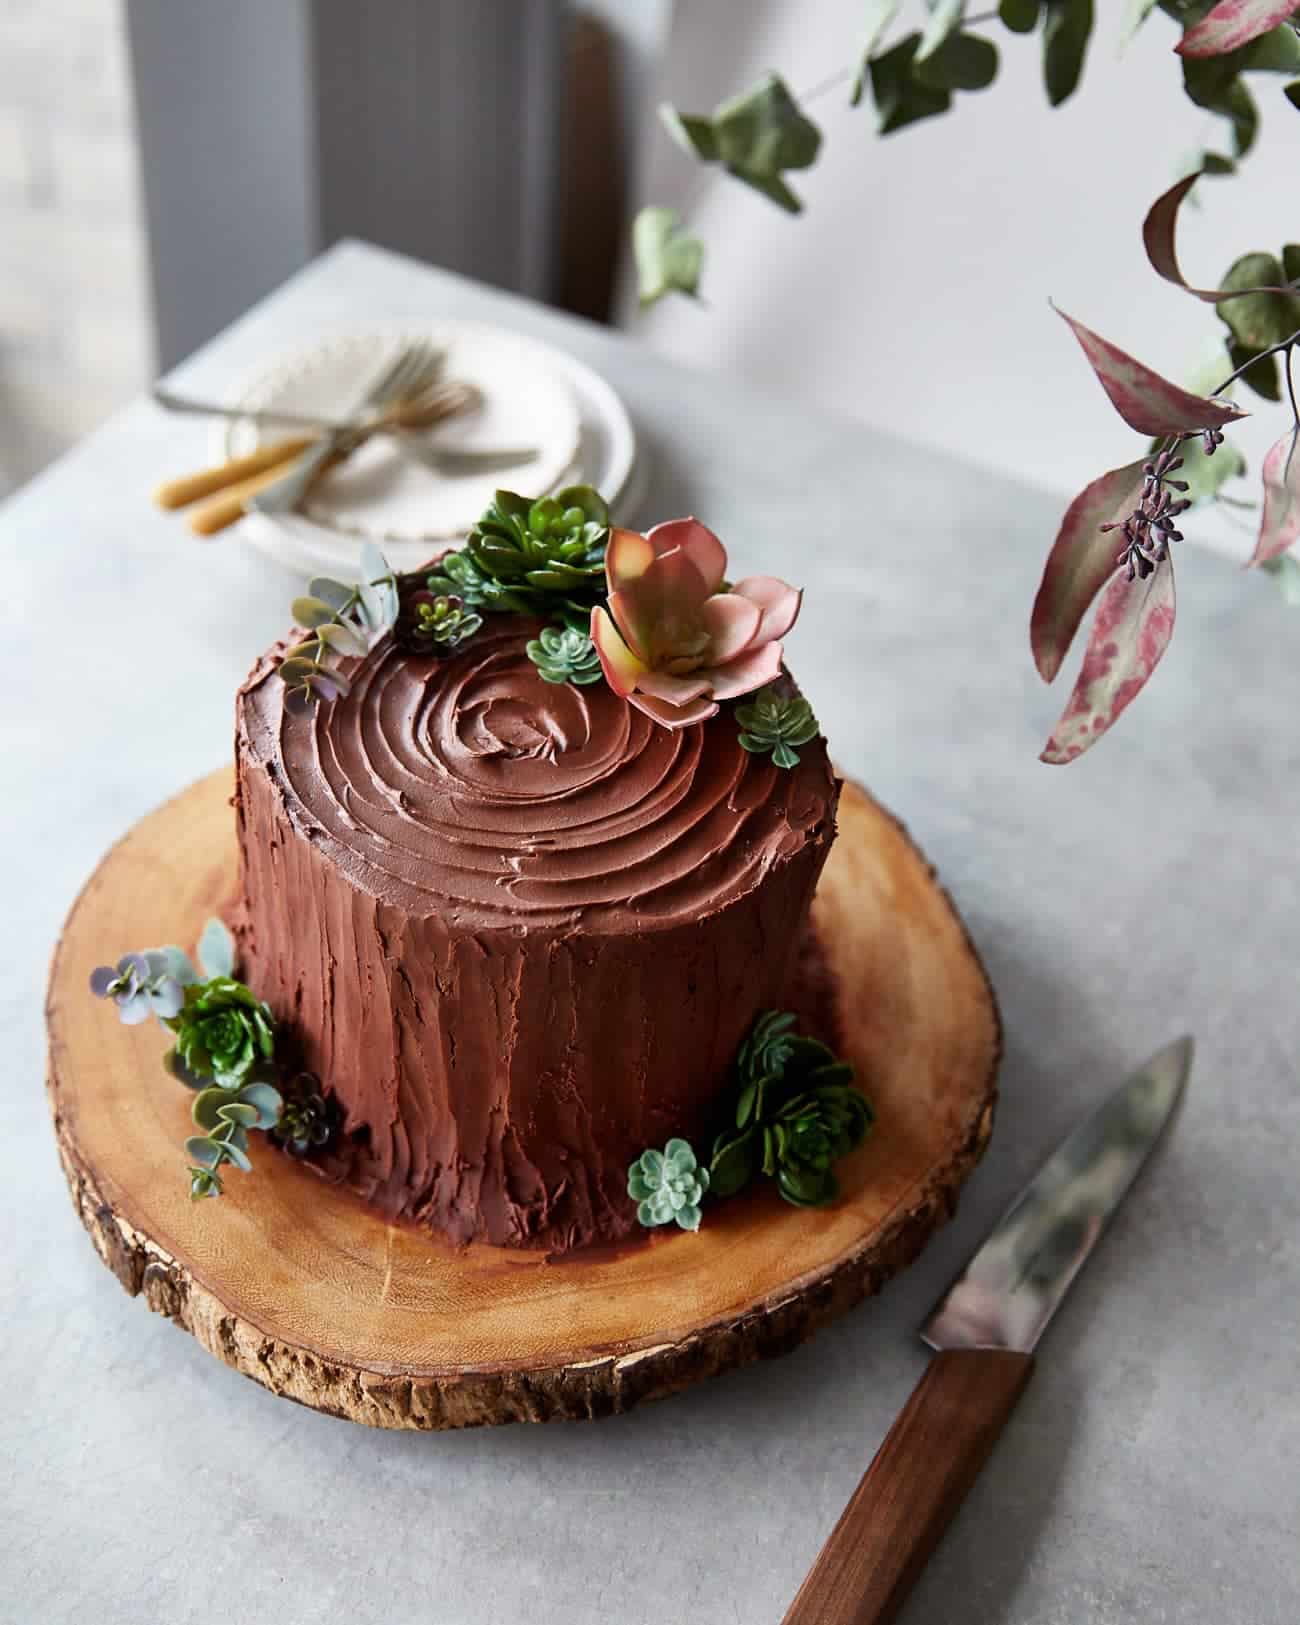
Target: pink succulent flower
[673,644]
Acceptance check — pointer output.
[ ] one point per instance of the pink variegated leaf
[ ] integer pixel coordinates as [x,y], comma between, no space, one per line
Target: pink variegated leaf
[1158,233]
[1133,625]
[1279,527]
[1232,24]
[1146,401]
[1082,560]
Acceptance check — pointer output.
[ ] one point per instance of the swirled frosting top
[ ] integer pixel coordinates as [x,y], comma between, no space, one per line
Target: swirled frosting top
[470,787]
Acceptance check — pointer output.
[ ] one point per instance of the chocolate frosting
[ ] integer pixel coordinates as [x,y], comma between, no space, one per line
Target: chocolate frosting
[518,928]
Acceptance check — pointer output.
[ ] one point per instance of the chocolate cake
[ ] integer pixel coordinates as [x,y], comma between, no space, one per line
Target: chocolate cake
[517,927]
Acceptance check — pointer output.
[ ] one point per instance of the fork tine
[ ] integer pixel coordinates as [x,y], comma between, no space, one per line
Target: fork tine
[426,374]
[382,384]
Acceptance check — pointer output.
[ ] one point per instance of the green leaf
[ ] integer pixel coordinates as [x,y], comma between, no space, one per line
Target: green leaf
[762,133]
[1021,16]
[693,133]
[668,258]
[1066,33]
[962,62]
[333,593]
[898,97]
[217,949]
[206,1109]
[1262,373]
[237,1111]
[236,1154]
[734,1164]
[945,19]
[1292,93]
[311,612]
[266,1100]
[203,1153]
[1257,320]
[1291,262]
[880,13]
[688,1217]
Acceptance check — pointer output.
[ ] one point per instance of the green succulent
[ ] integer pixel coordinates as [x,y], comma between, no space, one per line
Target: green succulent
[563,654]
[768,1046]
[797,1113]
[535,551]
[437,623]
[227,1114]
[668,1186]
[776,722]
[305,1118]
[457,576]
[222,1032]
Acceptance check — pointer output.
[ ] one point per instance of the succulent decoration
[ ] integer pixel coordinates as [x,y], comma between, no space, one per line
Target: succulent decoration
[544,557]
[436,623]
[562,654]
[668,1186]
[796,1113]
[224,1052]
[777,722]
[675,639]
[342,621]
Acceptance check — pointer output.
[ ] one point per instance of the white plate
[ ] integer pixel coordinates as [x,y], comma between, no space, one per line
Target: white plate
[534,395]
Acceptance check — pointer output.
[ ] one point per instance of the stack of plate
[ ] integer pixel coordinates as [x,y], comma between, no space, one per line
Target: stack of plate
[534,398]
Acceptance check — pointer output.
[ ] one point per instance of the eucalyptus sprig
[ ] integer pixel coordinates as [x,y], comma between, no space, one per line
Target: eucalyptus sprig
[224,1052]
[777,722]
[343,620]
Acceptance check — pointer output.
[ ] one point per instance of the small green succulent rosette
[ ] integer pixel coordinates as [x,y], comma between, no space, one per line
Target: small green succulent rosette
[537,552]
[797,1113]
[562,654]
[778,723]
[222,1032]
[668,1186]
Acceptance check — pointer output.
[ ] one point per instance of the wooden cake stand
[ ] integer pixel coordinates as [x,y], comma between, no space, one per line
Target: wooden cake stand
[300,1287]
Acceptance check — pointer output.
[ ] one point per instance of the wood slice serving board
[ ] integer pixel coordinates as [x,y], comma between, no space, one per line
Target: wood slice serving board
[300,1287]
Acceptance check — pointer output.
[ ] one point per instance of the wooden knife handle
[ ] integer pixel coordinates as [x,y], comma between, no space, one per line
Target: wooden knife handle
[191,487]
[920,1474]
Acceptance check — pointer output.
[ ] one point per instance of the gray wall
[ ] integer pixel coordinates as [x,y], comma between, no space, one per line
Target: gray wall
[268,131]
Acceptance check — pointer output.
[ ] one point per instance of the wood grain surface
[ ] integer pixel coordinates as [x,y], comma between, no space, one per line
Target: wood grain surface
[908,1495]
[300,1287]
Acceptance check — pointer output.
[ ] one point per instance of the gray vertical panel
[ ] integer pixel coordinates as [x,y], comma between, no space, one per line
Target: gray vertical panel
[436,130]
[221,99]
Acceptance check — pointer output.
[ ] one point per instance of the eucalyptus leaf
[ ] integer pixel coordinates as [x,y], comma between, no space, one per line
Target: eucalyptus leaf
[240,1112]
[668,258]
[962,62]
[311,612]
[693,133]
[266,1099]
[203,1152]
[217,949]
[207,1106]
[1021,16]
[238,1156]
[945,19]
[898,97]
[341,638]
[1066,32]
[334,593]
[880,13]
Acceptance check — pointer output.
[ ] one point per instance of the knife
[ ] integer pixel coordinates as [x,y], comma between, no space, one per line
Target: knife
[984,1331]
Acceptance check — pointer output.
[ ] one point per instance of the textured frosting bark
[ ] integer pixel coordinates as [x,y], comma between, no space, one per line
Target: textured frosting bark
[518,928]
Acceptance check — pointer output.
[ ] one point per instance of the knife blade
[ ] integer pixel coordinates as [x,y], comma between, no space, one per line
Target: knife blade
[984,1331]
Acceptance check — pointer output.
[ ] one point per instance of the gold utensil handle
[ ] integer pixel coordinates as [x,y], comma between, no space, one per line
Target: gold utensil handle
[930,1458]
[225,509]
[192,487]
